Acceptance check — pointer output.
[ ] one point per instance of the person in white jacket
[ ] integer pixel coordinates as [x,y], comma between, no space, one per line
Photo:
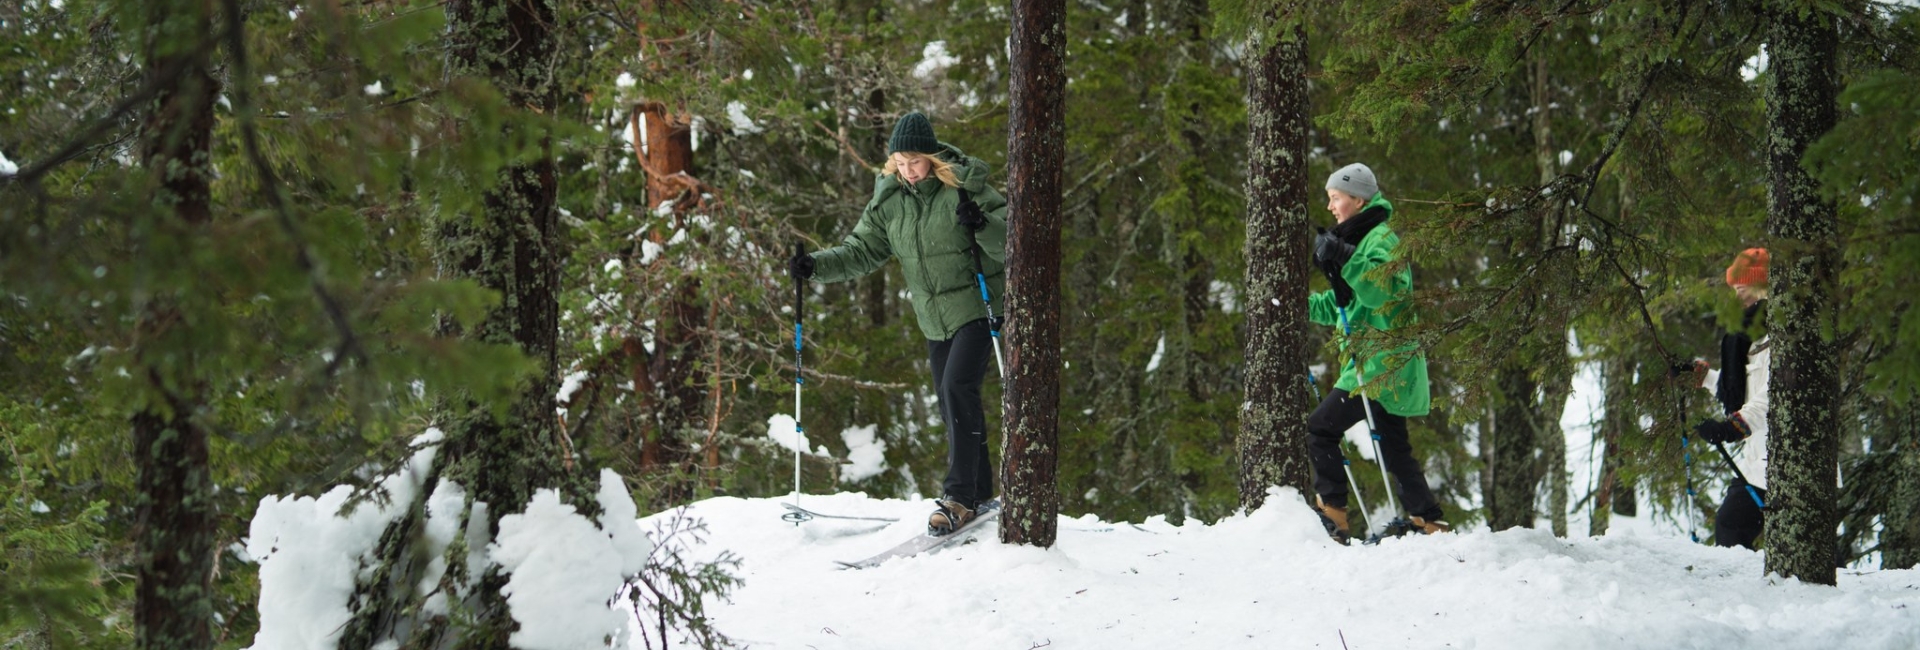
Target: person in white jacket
[1740,385]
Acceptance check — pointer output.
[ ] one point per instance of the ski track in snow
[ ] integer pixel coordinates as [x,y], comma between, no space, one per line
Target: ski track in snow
[1272,579]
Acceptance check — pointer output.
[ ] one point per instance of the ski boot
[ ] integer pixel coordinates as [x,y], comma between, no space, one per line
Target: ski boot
[948,516]
[1401,526]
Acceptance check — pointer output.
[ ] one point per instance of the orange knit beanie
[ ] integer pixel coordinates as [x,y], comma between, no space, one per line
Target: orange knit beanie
[1749,268]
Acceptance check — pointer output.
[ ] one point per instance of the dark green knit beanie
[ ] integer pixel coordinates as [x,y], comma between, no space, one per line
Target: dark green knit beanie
[913,133]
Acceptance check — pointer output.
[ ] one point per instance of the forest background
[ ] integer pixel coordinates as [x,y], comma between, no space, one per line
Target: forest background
[1571,178]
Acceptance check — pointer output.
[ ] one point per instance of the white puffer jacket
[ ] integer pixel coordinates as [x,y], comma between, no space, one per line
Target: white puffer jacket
[1751,454]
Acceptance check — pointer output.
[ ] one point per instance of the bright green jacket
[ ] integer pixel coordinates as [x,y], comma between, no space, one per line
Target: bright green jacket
[1396,377]
[917,224]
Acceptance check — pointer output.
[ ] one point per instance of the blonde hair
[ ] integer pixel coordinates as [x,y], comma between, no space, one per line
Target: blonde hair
[942,169]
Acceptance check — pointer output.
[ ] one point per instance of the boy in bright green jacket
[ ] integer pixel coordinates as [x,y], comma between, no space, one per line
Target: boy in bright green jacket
[1357,256]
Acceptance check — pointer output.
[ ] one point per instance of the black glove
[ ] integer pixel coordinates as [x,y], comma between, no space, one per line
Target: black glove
[969,213]
[1342,292]
[801,266]
[1720,431]
[1330,254]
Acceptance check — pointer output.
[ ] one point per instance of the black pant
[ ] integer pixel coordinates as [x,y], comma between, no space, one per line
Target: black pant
[959,366]
[1339,412]
[1739,521]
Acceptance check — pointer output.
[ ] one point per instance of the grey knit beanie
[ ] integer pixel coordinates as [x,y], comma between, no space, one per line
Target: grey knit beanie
[913,133]
[1355,179]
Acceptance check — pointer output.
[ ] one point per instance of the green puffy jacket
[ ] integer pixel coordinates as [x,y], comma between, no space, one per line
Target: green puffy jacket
[1397,377]
[916,223]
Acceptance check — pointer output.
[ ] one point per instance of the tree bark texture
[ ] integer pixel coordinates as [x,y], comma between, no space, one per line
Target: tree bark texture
[174,518]
[1556,386]
[1510,457]
[1803,438]
[669,380]
[1036,151]
[1554,393]
[1900,537]
[1272,442]
[1613,494]
[513,248]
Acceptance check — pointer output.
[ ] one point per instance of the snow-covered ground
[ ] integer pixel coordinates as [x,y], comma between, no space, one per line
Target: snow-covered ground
[1272,579]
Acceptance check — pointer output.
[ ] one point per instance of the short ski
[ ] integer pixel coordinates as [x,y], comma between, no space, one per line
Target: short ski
[924,542]
[805,514]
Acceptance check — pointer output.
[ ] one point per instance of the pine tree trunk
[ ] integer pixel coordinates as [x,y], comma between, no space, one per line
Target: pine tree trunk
[1803,439]
[1613,495]
[1553,437]
[669,380]
[1556,387]
[1273,419]
[174,531]
[514,248]
[1900,537]
[1510,457]
[1036,151]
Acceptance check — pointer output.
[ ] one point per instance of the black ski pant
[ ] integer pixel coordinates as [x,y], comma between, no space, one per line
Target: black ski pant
[959,366]
[1329,423]
[1739,521]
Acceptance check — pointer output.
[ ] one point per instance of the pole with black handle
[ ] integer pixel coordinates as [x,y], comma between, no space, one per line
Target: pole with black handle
[980,277]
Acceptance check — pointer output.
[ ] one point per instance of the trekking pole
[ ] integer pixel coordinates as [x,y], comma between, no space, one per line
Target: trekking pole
[1686,467]
[799,382]
[1372,432]
[1743,477]
[1345,465]
[1686,460]
[980,276]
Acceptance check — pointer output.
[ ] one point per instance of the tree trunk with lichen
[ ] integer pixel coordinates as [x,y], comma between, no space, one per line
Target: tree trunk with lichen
[1613,493]
[501,457]
[174,530]
[1273,420]
[1556,383]
[1900,536]
[1803,439]
[1036,151]
[1511,455]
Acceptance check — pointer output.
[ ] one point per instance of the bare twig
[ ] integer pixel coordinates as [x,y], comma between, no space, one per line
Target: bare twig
[842,139]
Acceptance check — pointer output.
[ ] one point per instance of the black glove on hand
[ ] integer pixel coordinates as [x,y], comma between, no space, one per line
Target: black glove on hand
[1330,254]
[969,213]
[1342,292]
[801,266]
[1720,431]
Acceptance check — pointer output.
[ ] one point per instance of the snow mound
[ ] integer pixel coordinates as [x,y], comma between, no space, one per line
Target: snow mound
[1269,579]
[565,569]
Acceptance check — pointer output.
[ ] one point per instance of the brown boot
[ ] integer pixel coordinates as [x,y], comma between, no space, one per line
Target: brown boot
[1335,519]
[950,516]
[1430,527]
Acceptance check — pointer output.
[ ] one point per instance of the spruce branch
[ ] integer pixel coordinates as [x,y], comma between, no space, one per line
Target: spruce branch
[270,188]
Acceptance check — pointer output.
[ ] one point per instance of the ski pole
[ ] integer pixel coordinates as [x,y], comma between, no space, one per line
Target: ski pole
[1751,492]
[1686,460]
[799,378]
[1372,431]
[980,276]
[1686,467]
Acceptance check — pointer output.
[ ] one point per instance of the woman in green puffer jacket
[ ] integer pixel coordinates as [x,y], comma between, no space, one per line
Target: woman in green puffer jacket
[1358,256]
[931,207]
